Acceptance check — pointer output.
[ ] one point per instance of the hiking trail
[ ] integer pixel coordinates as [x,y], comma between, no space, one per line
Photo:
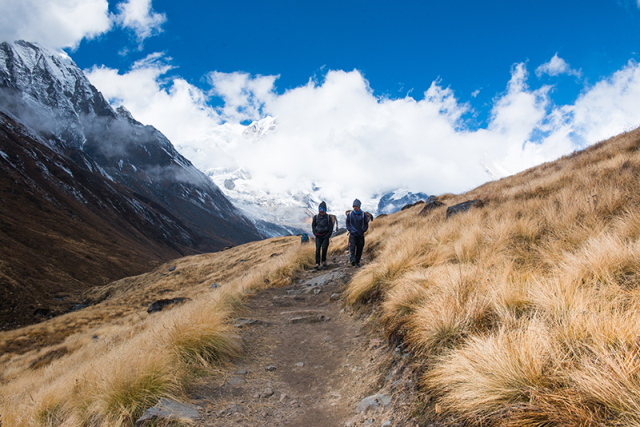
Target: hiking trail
[308,361]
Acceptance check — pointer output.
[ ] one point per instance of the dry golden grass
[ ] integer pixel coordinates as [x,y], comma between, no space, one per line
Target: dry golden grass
[138,358]
[495,374]
[525,312]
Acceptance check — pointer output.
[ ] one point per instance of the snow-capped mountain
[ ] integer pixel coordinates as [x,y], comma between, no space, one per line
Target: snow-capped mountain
[260,128]
[396,200]
[47,92]
[286,209]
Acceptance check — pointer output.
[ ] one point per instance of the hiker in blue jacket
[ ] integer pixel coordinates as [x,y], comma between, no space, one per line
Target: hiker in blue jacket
[322,226]
[357,225]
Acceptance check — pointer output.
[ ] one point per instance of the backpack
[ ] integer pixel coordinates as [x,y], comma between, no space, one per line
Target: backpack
[368,215]
[333,221]
[304,238]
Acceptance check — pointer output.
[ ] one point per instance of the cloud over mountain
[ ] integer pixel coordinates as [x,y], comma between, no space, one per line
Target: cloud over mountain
[339,135]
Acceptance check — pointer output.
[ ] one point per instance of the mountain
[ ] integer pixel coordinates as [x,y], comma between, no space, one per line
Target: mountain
[396,200]
[89,194]
[280,211]
[292,211]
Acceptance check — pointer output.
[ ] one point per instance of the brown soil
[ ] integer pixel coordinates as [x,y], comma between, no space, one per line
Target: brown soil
[326,361]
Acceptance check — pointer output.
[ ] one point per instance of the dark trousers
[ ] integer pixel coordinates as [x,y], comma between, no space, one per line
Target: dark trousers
[322,243]
[356,245]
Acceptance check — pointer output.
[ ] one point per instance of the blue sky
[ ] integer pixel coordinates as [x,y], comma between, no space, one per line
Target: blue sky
[429,96]
[400,47]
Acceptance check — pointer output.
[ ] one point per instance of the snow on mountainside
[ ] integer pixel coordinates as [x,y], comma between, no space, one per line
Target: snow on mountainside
[394,201]
[88,194]
[46,91]
[284,210]
[259,129]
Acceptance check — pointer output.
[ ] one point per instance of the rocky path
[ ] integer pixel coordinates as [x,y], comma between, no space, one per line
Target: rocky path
[307,363]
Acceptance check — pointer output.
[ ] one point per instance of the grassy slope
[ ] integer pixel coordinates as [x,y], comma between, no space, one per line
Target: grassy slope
[54,373]
[524,312]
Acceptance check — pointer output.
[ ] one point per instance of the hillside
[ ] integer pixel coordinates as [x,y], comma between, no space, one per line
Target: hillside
[65,229]
[90,195]
[522,311]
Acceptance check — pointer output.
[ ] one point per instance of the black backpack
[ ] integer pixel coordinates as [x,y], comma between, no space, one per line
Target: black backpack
[333,222]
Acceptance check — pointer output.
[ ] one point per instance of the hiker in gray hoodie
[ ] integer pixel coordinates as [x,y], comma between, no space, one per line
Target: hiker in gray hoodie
[322,226]
[357,225]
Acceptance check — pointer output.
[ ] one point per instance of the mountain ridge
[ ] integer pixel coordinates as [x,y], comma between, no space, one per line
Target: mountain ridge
[71,156]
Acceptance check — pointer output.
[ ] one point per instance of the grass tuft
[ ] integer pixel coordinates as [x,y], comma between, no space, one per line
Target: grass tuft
[202,335]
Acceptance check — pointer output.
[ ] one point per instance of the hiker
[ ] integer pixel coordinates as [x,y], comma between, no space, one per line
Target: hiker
[357,225]
[322,227]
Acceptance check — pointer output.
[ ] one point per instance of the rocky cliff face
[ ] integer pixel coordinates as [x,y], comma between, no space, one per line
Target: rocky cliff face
[88,194]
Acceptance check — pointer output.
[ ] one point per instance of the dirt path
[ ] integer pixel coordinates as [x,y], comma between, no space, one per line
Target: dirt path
[307,362]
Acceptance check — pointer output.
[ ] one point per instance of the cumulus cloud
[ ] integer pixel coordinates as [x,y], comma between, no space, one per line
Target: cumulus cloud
[139,16]
[180,110]
[55,24]
[610,106]
[244,96]
[338,135]
[555,67]
[65,23]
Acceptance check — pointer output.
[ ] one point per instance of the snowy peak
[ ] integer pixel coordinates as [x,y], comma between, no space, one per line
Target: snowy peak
[29,67]
[124,114]
[289,209]
[396,200]
[48,91]
[50,94]
[259,129]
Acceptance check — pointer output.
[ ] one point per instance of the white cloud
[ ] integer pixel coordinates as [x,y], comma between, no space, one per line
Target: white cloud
[138,16]
[555,67]
[610,106]
[55,24]
[518,110]
[244,96]
[65,23]
[179,111]
[337,134]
